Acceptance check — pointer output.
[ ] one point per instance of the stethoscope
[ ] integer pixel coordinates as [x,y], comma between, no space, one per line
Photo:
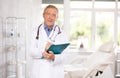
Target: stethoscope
[59,31]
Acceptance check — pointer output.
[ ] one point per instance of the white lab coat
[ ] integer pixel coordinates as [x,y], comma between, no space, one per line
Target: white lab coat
[42,68]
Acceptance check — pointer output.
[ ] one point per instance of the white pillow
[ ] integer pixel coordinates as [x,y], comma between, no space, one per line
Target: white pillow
[107,47]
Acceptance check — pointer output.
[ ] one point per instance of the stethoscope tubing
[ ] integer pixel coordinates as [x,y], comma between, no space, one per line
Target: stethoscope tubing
[59,31]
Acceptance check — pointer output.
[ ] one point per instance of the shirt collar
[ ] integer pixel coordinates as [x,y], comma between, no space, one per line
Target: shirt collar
[46,28]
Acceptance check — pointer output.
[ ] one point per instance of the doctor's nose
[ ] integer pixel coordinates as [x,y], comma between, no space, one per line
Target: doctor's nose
[50,15]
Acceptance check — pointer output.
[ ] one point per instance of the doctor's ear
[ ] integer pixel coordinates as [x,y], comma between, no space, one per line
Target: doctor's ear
[43,15]
[56,18]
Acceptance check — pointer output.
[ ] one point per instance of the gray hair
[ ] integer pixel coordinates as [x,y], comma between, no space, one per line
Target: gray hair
[50,6]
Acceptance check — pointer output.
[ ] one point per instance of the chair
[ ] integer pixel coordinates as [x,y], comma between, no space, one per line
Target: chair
[96,65]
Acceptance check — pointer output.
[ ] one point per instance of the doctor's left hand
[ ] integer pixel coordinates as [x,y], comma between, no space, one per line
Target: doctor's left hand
[49,56]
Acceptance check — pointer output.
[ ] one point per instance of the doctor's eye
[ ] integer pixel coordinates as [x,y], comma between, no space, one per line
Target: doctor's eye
[50,14]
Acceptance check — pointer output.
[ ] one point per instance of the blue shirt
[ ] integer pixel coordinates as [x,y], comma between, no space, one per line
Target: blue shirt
[48,31]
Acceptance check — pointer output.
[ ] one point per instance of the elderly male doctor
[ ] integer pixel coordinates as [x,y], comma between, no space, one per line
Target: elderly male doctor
[51,66]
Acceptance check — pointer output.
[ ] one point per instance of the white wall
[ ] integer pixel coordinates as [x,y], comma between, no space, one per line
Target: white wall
[28,9]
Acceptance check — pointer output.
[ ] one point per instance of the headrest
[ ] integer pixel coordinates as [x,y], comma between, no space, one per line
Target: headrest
[107,47]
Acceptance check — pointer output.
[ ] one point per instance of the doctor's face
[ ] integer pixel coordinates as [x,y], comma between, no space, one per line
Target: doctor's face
[50,16]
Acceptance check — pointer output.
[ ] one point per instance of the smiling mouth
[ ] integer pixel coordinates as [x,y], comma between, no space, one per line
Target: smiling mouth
[50,21]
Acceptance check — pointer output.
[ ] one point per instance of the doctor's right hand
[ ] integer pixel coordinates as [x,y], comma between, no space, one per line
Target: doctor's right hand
[48,56]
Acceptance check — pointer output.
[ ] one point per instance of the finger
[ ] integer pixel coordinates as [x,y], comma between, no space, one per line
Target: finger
[45,54]
[50,52]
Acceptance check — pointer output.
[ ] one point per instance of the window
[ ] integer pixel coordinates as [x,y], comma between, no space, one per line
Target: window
[104,27]
[80,32]
[105,4]
[101,12]
[81,4]
[80,23]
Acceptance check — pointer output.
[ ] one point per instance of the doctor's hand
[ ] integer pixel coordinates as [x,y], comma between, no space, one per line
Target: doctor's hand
[49,56]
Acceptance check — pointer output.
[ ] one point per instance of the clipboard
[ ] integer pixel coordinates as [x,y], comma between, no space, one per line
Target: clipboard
[58,48]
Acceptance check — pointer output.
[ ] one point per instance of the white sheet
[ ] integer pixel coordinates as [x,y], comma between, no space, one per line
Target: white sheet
[90,66]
